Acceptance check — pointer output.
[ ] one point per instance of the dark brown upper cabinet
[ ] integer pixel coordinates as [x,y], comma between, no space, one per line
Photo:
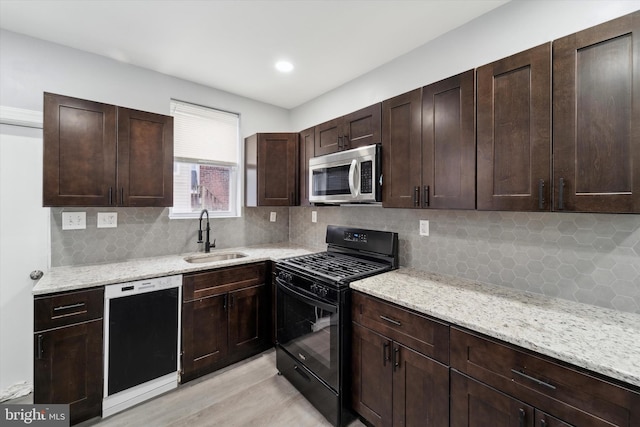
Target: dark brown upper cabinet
[307,146]
[428,146]
[596,118]
[97,154]
[449,143]
[271,169]
[353,130]
[401,150]
[514,132]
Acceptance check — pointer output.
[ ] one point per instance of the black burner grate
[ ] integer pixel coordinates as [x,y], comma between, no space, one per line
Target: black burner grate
[336,267]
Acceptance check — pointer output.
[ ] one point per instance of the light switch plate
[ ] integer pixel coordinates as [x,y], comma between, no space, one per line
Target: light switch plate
[74,220]
[107,219]
[272,217]
[314,216]
[424,227]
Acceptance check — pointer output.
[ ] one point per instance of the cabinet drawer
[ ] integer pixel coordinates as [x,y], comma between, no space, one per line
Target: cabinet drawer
[559,390]
[66,309]
[418,332]
[214,282]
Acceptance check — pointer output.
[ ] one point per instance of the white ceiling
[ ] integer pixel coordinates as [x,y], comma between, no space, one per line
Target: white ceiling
[233,44]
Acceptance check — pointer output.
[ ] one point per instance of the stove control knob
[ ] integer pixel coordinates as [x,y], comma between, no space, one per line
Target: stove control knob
[322,291]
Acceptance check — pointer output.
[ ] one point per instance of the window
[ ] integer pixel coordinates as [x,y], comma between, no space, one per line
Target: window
[206,156]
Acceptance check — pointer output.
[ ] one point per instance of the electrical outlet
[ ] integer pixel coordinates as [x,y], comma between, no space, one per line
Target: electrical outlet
[424,227]
[314,216]
[272,217]
[74,220]
[107,219]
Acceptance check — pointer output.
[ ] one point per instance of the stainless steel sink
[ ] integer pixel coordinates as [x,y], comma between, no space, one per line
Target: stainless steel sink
[213,257]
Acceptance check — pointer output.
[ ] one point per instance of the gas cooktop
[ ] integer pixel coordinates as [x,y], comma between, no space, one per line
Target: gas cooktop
[335,266]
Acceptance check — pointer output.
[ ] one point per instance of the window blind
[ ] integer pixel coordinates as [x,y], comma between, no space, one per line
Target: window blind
[203,134]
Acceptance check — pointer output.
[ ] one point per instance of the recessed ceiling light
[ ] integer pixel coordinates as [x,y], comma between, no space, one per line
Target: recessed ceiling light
[284,66]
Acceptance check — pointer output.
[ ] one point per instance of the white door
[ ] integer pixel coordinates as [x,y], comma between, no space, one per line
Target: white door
[24,247]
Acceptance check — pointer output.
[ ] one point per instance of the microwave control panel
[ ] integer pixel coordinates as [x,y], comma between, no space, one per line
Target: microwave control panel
[366,177]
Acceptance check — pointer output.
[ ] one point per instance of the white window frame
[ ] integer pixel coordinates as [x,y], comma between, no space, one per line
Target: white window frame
[235,177]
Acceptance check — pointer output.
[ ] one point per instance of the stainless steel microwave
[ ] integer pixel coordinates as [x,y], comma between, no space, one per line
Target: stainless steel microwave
[350,176]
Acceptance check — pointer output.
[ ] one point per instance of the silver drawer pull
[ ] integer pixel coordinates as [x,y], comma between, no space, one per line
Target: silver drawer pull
[395,322]
[68,307]
[535,380]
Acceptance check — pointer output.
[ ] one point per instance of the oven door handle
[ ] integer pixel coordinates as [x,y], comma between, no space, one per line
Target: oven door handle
[311,301]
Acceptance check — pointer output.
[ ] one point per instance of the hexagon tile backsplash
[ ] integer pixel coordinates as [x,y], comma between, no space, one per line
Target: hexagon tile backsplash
[147,232]
[589,258]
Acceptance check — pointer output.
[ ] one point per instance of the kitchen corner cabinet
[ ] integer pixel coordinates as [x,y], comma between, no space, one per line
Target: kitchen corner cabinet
[68,364]
[596,118]
[449,143]
[353,130]
[399,371]
[514,132]
[97,154]
[271,169]
[491,380]
[225,318]
[307,147]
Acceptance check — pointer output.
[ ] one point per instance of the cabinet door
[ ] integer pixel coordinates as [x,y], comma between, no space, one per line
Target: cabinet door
[474,404]
[420,390]
[145,159]
[449,143]
[68,369]
[79,167]
[514,132]
[328,137]
[362,127]
[277,169]
[596,118]
[546,420]
[204,335]
[372,376]
[249,320]
[401,150]
[307,147]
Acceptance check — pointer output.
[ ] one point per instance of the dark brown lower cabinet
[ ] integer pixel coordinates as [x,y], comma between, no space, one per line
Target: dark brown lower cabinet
[546,420]
[493,378]
[249,321]
[226,317]
[474,404]
[394,385]
[67,343]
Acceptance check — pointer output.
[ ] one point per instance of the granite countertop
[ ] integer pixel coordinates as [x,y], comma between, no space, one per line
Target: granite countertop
[60,279]
[599,339]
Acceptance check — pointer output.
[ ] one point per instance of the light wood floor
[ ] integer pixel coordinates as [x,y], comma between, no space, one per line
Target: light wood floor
[249,393]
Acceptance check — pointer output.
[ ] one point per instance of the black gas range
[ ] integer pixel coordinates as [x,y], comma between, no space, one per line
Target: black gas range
[313,303]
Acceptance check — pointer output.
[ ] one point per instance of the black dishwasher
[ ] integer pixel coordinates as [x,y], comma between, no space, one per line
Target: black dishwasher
[142,327]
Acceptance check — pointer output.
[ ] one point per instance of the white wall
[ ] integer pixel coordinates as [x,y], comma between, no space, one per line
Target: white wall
[29,67]
[514,27]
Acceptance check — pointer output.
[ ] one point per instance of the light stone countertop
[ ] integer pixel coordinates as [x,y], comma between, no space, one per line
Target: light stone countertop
[599,339]
[60,279]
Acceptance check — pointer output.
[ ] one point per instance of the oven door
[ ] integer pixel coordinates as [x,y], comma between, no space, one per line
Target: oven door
[307,329]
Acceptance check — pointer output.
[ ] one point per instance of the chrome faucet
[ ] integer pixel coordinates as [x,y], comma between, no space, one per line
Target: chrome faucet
[207,243]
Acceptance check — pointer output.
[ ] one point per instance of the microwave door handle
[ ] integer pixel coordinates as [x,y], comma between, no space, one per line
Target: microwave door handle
[353,171]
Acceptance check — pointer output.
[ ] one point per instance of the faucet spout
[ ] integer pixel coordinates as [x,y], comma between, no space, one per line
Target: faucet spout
[207,242]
